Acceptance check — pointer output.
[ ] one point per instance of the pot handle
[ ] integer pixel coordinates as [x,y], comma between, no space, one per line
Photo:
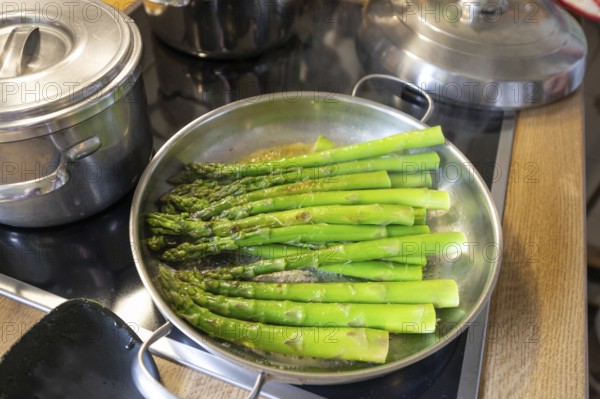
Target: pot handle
[411,86]
[55,180]
[150,388]
[21,46]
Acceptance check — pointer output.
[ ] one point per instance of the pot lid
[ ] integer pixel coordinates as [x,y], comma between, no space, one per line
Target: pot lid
[505,54]
[59,57]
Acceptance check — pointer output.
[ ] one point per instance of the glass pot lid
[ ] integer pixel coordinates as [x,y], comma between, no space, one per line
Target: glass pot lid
[58,58]
[505,54]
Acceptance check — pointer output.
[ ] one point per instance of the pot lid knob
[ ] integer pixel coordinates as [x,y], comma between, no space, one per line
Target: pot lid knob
[22,44]
[489,7]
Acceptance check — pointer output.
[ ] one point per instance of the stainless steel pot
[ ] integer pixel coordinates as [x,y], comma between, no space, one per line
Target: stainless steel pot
[232,131]
[503,54]
[223,28]
[74,132]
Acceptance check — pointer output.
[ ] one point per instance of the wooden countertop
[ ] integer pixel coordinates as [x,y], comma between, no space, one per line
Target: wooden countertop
[537,344]
[537,340]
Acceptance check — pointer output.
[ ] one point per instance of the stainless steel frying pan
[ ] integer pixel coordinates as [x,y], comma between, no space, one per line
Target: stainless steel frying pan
[232,131]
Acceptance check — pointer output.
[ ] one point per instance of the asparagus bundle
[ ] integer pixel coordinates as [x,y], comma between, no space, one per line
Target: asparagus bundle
[359,251]
[405,168]
[204,209]
[408,318]
[356,211]
[374,214]
[347,343]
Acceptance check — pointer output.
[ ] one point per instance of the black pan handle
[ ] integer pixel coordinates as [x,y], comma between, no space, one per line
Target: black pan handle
[410,86]
[151,388]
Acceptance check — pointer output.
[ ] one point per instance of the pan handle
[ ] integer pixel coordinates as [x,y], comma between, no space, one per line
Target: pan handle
[410,86]
[150,388]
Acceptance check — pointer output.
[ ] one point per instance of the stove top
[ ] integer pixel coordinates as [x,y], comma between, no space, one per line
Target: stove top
[92,258]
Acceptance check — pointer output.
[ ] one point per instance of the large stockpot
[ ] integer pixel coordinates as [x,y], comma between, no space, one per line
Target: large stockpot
[223,29]
[232,131]
[74,131]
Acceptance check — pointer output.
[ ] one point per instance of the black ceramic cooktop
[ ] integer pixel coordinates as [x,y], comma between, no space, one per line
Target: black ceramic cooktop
[92,258]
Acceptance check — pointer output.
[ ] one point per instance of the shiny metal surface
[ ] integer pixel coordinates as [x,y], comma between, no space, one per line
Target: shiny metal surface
[405,85]
[151,388]
[232,131]
[48,191]
[21,45]
[87,57]
[59,177]
[191,86]
[74,130]
[144,381]
[223,28]
[509,56]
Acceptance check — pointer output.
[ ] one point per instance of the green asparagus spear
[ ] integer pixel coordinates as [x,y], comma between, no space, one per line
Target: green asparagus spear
[282,250]
[322,143]
[420,216]
[274,251]
[328,342]
[421,245]
[296,233]
[411,180]
[377,270]
[373,214]
[369,149]
[441,293]
[197,188]
[414,197]
[394,318]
